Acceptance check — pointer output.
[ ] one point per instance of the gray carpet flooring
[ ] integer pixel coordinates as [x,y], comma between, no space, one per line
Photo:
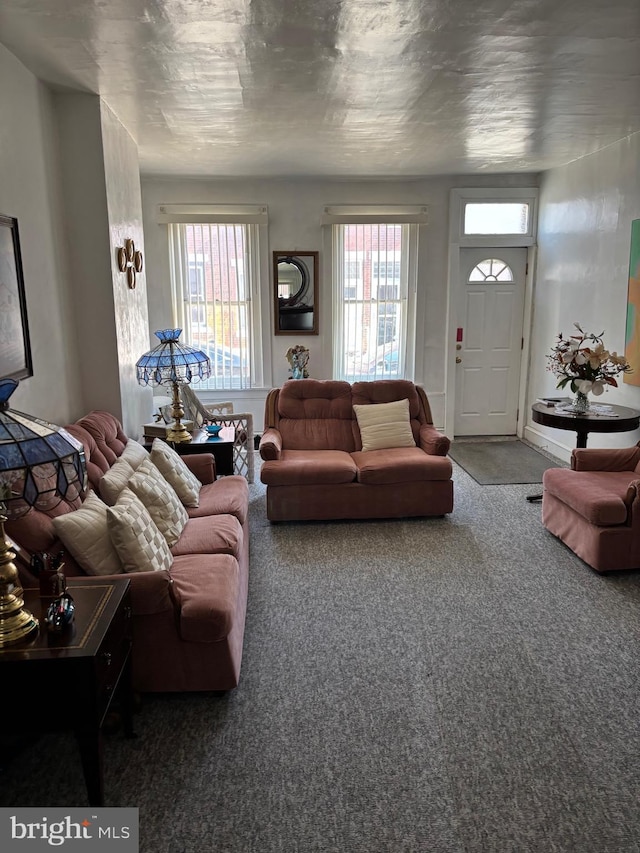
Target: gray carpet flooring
[500,462]
[456,685]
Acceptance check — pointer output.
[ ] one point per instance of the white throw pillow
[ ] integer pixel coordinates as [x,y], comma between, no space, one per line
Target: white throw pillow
[116,478]
[160,499]
[114,481]
[384,425]
[134,453]
[85,534]
[187,486]
[138,542]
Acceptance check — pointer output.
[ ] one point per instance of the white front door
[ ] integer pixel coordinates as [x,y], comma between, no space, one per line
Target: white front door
[491,307]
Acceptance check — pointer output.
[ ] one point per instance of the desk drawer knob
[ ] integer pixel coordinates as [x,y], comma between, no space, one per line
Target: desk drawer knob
[107,658]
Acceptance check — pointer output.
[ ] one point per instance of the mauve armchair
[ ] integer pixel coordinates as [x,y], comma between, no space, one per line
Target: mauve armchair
[594,507]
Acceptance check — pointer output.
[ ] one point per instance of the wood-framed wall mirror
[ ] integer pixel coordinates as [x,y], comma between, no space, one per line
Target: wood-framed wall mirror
[295,293]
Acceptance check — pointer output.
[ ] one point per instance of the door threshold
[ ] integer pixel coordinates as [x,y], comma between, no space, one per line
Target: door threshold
[478,438]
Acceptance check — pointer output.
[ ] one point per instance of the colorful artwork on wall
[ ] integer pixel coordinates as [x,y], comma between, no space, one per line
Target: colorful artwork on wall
[632,345]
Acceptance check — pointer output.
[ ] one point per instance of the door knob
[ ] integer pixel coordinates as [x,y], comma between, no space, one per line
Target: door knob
[458,360]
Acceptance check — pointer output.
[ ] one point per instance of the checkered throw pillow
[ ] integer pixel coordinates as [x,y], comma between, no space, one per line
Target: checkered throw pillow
[186,484]
[140,545]
[161,501]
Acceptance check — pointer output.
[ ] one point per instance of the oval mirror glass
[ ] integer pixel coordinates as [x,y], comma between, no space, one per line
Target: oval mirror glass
[290,280]
[295,292]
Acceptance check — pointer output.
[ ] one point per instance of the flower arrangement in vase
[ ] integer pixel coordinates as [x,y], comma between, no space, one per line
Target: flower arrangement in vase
[582,362]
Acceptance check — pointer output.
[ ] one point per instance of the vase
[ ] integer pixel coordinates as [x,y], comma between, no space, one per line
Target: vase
[580,404]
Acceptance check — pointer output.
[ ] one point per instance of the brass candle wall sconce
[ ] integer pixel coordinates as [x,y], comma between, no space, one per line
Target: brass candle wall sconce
[129,261]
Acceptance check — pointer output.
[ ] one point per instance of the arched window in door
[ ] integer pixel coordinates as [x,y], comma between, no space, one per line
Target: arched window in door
[491,269]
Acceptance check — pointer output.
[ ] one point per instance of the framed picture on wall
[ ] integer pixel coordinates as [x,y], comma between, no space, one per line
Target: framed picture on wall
[15,349]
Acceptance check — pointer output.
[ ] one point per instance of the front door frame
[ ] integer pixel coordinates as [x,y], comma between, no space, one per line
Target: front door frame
[457,241]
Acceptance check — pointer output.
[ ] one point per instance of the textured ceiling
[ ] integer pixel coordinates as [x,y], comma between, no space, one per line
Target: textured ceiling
[345,87]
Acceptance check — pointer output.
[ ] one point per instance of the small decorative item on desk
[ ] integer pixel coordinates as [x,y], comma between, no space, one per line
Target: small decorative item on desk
[49,572]
[60,613]
[582,362]
[53,584]
[213,430]
[298,358]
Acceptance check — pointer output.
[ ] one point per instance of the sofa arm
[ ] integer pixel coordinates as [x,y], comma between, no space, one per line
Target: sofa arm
[203,465]
[605,459]
[433,442]
[270,444]
[632,502]
[151,592]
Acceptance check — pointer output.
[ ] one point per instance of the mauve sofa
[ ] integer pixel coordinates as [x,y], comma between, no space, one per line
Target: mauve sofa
[594,507]
[188,622]
[314,466]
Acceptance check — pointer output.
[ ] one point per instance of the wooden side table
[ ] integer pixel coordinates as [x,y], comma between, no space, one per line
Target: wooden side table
[68,680]
[221,448]
[620,419]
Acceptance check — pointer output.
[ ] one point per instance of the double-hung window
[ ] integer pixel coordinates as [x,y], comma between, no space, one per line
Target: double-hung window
[374,284]
[216,297]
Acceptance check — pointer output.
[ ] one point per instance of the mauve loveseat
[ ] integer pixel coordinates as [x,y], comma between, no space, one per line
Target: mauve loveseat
[188,621]
[315,468]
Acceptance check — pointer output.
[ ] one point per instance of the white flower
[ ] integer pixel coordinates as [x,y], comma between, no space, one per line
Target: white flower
[586,385]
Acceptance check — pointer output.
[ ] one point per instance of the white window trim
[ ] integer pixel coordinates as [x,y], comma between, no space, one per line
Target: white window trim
[458,199]
[372,214]
[220,214]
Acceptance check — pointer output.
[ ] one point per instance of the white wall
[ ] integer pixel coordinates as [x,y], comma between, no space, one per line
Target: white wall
[131,319]
[30,191]
[295,209]
[87,232]
[69,174]
[586,210]
[99,165]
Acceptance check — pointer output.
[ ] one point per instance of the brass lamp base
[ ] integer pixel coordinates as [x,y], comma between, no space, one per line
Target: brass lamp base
[177,432]
[16,623]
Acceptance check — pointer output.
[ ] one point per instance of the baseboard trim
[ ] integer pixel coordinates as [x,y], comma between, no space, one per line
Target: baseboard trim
[542,440]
